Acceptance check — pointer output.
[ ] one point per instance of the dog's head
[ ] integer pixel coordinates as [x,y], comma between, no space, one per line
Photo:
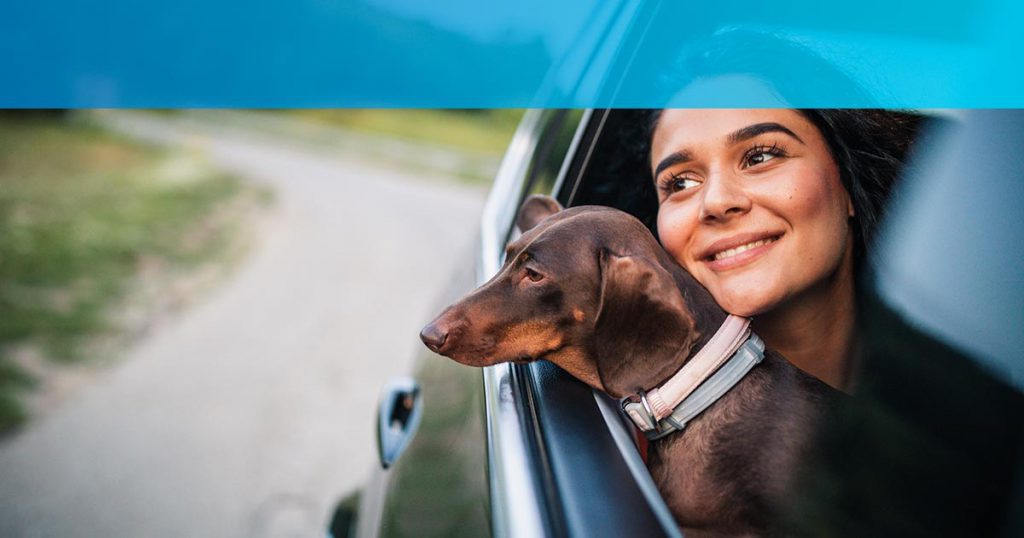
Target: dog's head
[587,288]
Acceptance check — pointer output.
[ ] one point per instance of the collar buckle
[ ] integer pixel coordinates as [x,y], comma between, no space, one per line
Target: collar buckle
[650,411]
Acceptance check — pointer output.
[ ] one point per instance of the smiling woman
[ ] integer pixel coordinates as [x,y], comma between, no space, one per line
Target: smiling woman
[773,209]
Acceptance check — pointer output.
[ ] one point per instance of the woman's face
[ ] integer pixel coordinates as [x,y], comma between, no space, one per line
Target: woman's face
[751,204]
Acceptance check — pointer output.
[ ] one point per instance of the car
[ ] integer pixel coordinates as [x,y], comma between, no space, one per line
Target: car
[512,449]
[933,445]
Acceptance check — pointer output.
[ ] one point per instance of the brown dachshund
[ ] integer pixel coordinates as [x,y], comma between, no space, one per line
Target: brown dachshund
[591,290]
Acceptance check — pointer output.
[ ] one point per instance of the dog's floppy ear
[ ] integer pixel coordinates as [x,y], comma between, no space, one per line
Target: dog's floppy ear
[536,208]
[642,326]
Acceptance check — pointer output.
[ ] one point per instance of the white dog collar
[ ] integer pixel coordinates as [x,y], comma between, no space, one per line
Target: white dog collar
[732,352]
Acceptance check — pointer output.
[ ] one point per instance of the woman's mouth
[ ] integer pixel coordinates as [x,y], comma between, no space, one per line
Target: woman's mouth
[742,248]
[735,256]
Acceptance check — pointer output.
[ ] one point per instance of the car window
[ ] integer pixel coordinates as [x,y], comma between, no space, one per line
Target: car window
[552,151]
[616,174]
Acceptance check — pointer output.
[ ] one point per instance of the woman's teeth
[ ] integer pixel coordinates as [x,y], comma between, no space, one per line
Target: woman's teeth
[742,248]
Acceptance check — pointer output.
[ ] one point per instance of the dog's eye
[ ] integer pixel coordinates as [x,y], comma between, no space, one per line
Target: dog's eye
[534,276]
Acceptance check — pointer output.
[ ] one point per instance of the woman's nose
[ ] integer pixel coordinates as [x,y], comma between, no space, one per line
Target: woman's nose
[723,198]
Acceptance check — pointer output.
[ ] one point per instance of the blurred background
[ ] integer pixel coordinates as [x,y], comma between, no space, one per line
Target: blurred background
[198,308]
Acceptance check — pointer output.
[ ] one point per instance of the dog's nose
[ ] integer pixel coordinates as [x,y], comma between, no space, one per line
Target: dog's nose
[434,336]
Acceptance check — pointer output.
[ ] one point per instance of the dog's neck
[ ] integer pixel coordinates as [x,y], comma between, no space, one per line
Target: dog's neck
[707,315]
[720,350]
[666,332]
[731,353]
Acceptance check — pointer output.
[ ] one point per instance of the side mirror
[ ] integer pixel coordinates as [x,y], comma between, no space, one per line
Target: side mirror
[398,417]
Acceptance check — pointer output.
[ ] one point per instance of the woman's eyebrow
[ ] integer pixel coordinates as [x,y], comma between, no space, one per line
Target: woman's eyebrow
[740,135]
[678,157]
[751,131]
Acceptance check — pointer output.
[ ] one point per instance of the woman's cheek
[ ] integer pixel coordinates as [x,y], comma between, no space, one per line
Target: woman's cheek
[666,233]
[675,234]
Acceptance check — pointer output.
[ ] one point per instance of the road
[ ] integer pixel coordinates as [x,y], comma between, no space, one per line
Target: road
[251,413]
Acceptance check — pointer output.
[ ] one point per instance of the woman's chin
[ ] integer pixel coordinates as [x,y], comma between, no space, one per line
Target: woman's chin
[745,303]
[743,311]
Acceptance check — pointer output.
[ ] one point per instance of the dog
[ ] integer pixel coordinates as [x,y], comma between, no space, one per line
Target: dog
[590,289]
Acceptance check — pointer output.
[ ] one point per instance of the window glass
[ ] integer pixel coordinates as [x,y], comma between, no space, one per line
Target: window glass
[552,151]
[558,127]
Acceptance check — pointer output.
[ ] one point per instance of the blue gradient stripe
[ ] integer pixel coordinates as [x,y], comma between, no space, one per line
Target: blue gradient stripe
[399,53]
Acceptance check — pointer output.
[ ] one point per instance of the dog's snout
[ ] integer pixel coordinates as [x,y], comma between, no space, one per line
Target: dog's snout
[434,336]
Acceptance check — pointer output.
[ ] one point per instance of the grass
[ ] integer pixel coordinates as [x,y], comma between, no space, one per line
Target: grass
[464,145]
[81,213]
[477,131]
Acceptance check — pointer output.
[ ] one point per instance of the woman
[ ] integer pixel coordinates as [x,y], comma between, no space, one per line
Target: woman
[773,211]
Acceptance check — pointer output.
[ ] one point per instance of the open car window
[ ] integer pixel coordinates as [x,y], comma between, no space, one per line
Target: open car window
[614,170]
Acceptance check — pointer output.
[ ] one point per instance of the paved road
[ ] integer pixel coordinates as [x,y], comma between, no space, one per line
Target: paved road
[250,414]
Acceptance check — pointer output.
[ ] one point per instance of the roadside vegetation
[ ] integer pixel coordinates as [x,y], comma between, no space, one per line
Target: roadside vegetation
[453,144]
[83,215]
[473,130]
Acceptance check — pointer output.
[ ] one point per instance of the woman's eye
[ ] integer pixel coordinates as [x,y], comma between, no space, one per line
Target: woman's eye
[534,276]
[676,184]
[761,155]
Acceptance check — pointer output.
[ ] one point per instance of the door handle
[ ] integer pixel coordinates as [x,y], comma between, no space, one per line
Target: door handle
[398,417]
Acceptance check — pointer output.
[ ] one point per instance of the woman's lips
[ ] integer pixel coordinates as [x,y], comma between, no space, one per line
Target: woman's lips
[730,254]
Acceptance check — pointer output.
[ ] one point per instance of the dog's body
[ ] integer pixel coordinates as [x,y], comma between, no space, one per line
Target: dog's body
[591,290]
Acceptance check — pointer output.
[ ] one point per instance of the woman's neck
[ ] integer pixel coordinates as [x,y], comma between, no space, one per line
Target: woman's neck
[816,331]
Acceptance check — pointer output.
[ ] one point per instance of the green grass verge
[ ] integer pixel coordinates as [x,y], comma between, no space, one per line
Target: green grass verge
[479,131]
[81,211]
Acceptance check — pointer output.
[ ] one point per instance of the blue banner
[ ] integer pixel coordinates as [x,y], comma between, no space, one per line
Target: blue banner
[528,53]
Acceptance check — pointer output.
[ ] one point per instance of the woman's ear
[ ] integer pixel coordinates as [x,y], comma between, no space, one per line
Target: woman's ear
[536,208]
[643,328]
